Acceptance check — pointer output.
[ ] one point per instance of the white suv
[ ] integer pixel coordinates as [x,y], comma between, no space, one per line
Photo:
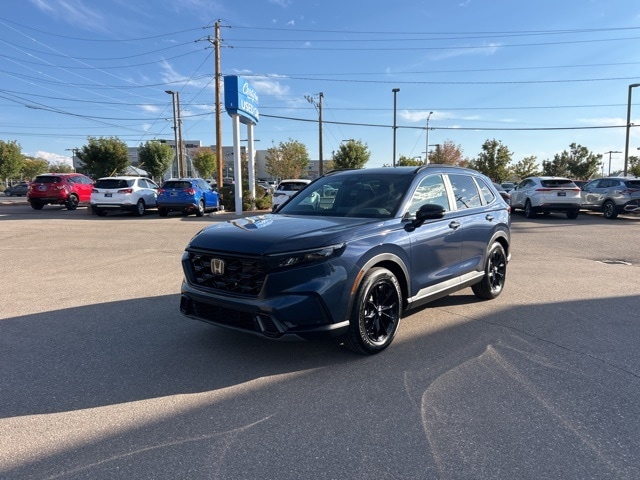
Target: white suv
[545,195]
[134,194]
[286,189]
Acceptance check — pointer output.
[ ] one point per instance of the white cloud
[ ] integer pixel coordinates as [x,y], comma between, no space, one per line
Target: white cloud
[52,157]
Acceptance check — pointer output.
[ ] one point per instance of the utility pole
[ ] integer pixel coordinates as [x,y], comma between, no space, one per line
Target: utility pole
[175,130]
[218,78]
[610,152]
[312,101]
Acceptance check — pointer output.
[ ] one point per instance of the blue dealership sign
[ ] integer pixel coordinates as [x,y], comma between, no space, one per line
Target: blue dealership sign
[240,99]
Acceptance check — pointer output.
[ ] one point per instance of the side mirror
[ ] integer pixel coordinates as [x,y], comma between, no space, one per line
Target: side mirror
[428,211]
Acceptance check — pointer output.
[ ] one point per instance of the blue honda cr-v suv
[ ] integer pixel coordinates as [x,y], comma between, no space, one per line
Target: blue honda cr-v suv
[349,254]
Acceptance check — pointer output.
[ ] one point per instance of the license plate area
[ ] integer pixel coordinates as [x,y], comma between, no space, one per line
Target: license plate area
[108,194]
[562,194]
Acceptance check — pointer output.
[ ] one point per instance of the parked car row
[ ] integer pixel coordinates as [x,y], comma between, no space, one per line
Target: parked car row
[611,196]
[122,193]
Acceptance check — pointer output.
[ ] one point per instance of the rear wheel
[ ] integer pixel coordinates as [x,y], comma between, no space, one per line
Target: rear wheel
[609,210]
[139,211]
[495,274]
[529,211]
[200,210]
[98,211]
[7,194]
[37,205]
[72,202]
[573,214]
[163,211]
[376,313]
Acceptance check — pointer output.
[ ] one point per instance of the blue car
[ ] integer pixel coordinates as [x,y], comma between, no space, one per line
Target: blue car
[349,254]
[187,195]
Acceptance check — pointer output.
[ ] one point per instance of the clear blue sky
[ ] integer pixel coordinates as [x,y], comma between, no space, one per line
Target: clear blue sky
[537,76]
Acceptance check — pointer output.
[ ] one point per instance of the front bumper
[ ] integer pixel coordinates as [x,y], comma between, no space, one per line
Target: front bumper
[301,315]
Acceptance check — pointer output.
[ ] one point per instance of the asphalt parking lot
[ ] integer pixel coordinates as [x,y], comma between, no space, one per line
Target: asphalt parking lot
[102,377]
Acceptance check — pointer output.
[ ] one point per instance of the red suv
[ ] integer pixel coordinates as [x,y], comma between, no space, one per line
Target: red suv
[69,189]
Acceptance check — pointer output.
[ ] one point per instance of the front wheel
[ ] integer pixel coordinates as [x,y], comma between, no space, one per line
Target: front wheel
[376,313]
[609,210]
[495,274]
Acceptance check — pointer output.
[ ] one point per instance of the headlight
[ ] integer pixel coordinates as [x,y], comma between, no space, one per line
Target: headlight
[293,259]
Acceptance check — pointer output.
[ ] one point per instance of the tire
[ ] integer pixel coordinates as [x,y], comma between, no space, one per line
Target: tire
[163,212]
[573,214]
[7,194]
[139,211]
[376,313]
[200,210]
[37,205]
[609,210]
[495,274]
[72,202]
[529,211]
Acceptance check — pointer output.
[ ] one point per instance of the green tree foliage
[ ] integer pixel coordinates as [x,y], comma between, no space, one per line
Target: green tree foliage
[448,153]
[493,161]
[32,167]
[287,160]
[527,167]
[633,167]
[59,168]
[155,157]
[205,162]
[408,162]
[104,157]
[579,163]
[11,160]
[351,154]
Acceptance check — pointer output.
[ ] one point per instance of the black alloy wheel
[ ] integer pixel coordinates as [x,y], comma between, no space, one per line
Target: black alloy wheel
[495,274]
[72,202]
[376,313]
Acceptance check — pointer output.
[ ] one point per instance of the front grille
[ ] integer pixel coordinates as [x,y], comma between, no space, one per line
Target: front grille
[242,275]
[224,316]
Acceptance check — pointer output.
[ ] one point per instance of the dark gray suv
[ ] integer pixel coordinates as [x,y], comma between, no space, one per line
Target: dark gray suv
[349,254]
[612,196]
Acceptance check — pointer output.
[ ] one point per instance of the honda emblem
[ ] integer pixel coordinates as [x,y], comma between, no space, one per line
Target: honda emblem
[217,266]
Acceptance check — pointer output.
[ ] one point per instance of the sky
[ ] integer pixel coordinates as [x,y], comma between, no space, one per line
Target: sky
[536,76]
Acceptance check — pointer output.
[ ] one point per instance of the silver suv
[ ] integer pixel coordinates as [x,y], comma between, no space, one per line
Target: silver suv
[612,196]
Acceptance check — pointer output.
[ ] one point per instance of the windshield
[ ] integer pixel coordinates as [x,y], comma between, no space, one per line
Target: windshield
[362,195]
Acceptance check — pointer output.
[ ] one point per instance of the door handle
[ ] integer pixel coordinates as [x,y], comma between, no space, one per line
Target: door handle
[489,217]
[454,225]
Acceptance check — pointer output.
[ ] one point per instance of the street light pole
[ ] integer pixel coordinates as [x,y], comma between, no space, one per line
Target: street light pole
[395,93]
[73,157]
[426,153]
[626,142]
[610,152]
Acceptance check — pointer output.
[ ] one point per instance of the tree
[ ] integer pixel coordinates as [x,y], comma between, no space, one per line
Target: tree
[579,163]
[104,157]
[32,167]
[205,162]
[493,161]
[59,168]
[351,154]
[408,162]
[287,160]
[634,166]
[155,157]
[448,153]
[11,159]
[527,167]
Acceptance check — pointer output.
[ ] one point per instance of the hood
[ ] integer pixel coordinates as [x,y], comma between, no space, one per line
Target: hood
[274,233]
